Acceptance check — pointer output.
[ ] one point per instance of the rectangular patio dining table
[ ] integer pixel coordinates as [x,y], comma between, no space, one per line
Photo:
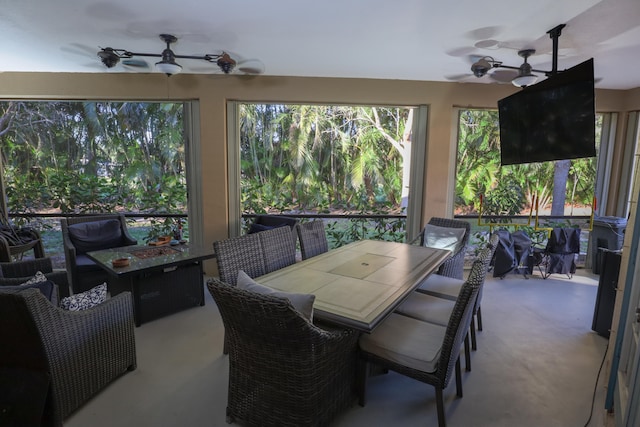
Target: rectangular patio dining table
[359,284]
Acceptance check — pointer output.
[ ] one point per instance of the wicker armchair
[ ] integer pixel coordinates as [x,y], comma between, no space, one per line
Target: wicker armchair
[313,239]
[18,272]
[454,266]
[393,345]
[16,241]
[283,370]
[69,356]
[83,272]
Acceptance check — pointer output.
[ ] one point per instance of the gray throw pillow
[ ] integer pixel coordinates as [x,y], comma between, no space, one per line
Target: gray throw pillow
[443,237]
[301,302]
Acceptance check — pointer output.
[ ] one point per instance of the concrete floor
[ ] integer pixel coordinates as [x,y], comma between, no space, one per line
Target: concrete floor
[536,365]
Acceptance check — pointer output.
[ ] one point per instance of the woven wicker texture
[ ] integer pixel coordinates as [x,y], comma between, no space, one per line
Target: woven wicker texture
[239,253]
[454,266]
[18,272]
[86,279]
[283,370]
[313,239]
[279,248]
[81,352]
[457,328]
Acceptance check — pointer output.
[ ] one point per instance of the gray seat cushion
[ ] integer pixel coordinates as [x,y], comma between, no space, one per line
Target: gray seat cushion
[441,286]
[406,341]
[427,308]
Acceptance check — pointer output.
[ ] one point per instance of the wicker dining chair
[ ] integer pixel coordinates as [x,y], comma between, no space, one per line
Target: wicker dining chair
[437,310]
[68,357]
[278,247]
[392,345]
[283,370]
[454,266]
[313,238]
[449,288]
[239,253]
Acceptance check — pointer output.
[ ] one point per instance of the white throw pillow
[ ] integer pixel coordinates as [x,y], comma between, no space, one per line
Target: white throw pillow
[443,237]
[37,278]
[85,300]
[301,302]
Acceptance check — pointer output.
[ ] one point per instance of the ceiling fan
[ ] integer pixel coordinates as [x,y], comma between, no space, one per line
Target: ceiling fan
[525,75]
[110,57]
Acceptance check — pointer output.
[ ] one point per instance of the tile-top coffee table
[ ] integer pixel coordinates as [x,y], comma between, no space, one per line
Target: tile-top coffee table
[162,279]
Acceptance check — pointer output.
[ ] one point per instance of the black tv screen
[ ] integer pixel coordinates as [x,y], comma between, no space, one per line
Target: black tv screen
[551,120]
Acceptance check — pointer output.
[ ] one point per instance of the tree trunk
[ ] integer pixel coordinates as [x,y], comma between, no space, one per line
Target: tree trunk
[560,177]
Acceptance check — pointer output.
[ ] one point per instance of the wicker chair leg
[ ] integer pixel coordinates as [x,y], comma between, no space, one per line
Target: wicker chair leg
[467,354]
[440,405]
[458,378]
[474,344]
[364,369]
[230,418]
[479,317]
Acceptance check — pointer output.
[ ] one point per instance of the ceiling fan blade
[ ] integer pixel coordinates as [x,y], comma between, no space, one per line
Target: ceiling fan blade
[135,63]
[503,76]
[250,66]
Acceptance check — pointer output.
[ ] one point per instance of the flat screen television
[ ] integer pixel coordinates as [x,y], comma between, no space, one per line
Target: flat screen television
[551,120]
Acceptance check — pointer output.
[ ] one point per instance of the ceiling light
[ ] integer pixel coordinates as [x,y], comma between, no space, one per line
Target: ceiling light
[110,57]
[525,77]
[482,66]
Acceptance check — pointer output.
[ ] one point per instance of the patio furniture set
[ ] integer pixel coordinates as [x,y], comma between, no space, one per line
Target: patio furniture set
[300,334]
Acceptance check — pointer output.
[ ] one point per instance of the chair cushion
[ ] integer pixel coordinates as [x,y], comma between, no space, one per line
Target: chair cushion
[427,308]
[37,278]
[85,300]
[46,287]
[406,341]
[256,228]
[449,238]
[301,302]
[441,286]
[96,235]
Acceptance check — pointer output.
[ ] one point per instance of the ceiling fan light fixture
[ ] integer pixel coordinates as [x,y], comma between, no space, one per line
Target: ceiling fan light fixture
[168,67]
[108,57]
[524,80]
[111,57]
[525,77]
[482,66]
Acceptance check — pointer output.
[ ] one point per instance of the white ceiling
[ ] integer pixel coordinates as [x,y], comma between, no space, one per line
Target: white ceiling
[382,39]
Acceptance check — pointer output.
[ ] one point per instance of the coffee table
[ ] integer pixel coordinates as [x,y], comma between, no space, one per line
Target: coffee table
[162,279]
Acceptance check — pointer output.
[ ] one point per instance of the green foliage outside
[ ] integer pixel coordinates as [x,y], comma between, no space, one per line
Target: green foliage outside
[94,157]
[510,190]
[326,160]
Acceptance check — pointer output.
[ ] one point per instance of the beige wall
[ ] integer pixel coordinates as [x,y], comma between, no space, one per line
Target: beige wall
[214,90]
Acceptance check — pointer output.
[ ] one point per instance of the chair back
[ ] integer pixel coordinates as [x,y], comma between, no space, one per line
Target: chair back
[564,241]
[461,316]
[260,326]
[485,256]
[239,253]
[275,221]
[313,238]
[454,266]
[279,248]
